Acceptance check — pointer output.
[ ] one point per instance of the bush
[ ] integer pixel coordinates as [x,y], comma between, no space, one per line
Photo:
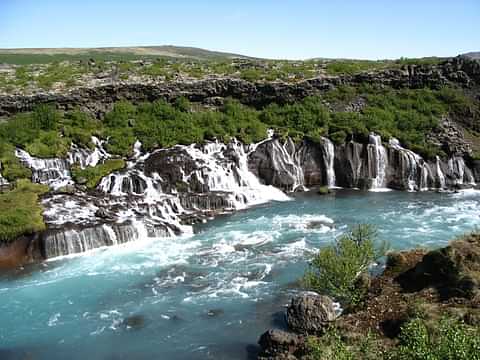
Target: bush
[20,212]
[49,144]
[452,341]
[94,174]
[334,270]
[12,168]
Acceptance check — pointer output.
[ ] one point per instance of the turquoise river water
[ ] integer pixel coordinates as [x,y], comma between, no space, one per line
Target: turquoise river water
[208,296]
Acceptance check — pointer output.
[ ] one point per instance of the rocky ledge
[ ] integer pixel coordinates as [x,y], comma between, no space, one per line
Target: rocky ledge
[441,282]
[97,99]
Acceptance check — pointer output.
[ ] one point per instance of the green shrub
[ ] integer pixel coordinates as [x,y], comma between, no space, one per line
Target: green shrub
[329,346]
[351,67]
[334,270]
[451,340]
[80,127]
[49,144]
[93,175]
[12,168]
[20,212]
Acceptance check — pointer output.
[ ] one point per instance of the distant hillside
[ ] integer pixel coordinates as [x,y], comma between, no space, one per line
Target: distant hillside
[473,55]
[45,55]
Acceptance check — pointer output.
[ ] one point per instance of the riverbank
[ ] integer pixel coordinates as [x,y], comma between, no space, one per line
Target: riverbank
[434,291]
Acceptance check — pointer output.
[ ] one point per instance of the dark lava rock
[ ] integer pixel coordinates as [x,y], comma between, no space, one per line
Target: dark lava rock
[279,344]
[103,214]
[317,224]
[310,313]
[215,312]
[453,270]
[135,322]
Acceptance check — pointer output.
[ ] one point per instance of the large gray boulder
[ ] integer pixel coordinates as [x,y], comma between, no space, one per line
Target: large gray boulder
[310,313]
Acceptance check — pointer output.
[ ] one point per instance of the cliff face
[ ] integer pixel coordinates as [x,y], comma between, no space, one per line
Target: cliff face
[161,194]
[97,99]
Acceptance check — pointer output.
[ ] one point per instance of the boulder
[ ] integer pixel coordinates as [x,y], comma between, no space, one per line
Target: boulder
[453,270]
[135,322]
[310,313]
[279,344]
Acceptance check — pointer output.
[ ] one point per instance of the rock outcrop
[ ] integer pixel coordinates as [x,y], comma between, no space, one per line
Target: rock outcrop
[280,345]
[453,270]
[98,99]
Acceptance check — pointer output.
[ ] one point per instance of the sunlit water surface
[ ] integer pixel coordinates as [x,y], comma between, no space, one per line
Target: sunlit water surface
[209,296]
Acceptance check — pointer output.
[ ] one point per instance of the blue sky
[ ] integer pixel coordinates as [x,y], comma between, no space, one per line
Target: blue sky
[264,28]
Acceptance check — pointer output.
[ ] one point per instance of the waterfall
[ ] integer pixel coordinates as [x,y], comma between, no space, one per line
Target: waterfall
[329,158]
[440,175]
[86,157]
[225,168]
[52,172]
[55,172]
[459,172]
[3,181]
[286,160]
[72,241]
[377,152]
[415,172]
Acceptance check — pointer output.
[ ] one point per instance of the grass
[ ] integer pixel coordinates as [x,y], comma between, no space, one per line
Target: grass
[20,211]
[93,175]
[446,339]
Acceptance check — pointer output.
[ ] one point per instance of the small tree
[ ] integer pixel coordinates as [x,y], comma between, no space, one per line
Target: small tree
[336,268]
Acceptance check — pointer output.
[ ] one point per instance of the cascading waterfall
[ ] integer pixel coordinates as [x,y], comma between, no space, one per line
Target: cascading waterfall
[458,171]
[52,172]
[377,152]
[55,172]
[440,175]
[415,171]
[286,159]
[3,181]
[85,157]
[221,168]
[329,158]
[73,241]
[158,193]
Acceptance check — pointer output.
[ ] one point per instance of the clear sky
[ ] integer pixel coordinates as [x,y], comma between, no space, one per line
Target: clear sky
[264,28]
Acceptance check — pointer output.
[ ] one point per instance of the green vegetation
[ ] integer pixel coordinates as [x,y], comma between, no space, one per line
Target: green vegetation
[37,132]
[91,176]
[351,67]
[20,212]
[335,269]
[11,167]
[30,71]
[331,346]
[407,114]
[446,339]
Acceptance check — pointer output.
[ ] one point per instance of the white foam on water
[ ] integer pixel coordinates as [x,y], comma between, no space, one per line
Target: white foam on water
[307,222]
[380,190]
